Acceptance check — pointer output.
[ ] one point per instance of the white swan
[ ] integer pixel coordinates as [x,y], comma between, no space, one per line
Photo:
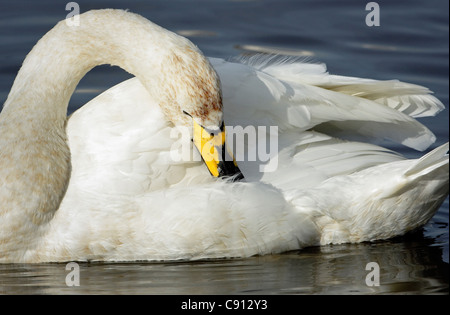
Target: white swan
[119,195]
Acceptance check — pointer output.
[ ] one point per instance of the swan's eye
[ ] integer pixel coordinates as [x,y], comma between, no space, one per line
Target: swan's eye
[212,132]
[215,132]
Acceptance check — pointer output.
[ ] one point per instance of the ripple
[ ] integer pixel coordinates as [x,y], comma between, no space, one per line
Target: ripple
[391,48]
[274,50]
[196,33]
[88,90]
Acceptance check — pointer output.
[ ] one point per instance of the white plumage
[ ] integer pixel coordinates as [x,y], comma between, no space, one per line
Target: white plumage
[128,199]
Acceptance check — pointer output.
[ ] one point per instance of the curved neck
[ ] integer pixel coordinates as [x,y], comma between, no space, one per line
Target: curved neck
[54,67]
[34,155]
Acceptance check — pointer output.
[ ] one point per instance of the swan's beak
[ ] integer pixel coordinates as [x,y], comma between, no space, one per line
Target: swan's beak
[212,148]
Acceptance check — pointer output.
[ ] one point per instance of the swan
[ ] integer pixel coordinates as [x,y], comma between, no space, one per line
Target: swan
[104,184]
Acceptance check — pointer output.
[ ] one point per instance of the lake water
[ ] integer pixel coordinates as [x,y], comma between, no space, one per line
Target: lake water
[411,44]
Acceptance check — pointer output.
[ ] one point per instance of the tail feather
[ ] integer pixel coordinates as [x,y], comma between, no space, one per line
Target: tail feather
[433,160]
[392,199]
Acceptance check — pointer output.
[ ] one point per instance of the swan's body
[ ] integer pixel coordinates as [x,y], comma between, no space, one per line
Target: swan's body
[118,194]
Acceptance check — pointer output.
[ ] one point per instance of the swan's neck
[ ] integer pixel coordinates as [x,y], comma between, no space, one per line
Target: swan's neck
[34,155]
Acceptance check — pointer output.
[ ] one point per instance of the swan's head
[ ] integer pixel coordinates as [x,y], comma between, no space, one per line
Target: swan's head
[193,98]
[190,85]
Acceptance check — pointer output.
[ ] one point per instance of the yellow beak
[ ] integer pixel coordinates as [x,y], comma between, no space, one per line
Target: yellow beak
[212,148]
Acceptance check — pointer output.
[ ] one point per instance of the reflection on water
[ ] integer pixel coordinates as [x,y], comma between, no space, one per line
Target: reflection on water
[406,266]
[273,50]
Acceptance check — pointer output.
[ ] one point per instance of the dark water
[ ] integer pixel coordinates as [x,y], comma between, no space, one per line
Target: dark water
[411,44]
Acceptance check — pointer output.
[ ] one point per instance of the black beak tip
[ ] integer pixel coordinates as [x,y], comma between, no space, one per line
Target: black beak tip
[228,170]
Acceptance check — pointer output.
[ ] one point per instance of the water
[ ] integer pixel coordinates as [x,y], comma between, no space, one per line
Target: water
[411,44]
